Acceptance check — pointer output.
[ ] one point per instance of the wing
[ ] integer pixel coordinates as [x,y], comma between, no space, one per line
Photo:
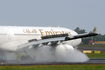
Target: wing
[56,38]
[81,36]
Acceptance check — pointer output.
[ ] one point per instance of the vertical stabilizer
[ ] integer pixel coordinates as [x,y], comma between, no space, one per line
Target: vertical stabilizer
[94,30]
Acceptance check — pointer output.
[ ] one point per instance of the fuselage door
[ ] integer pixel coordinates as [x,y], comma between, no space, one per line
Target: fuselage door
[10,34]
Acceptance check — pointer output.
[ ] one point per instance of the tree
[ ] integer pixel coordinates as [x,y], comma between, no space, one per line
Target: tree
[80,31]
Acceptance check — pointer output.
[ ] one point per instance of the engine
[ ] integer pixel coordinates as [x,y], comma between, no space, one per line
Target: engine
[65,47]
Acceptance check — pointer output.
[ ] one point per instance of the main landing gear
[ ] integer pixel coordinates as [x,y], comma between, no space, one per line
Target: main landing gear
[27,57]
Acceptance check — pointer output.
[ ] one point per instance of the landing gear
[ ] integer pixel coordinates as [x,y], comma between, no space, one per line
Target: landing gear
[23,57]
[27,57]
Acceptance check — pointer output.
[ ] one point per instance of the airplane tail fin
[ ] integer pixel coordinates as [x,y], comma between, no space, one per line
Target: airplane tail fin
[94,30]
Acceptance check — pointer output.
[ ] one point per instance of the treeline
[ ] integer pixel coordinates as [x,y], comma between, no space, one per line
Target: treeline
[94,38]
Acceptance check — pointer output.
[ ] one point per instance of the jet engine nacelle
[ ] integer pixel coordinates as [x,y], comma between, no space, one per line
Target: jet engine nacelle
[65,47]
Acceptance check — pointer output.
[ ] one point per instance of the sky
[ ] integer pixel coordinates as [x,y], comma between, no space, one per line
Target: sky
[71,14]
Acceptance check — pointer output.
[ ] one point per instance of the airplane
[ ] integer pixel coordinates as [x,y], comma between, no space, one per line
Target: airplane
[18,38]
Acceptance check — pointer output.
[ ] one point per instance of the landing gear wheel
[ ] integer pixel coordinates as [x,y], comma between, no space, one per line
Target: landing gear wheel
[23,58]
[28,57]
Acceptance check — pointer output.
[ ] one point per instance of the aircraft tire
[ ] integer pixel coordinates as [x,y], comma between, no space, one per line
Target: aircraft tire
[28,57]
[23,58]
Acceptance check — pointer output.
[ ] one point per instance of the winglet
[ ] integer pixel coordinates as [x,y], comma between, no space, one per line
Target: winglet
[94,30]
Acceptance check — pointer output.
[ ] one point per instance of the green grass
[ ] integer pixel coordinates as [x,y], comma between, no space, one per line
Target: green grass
[96,55]
[55,67]
[99,45]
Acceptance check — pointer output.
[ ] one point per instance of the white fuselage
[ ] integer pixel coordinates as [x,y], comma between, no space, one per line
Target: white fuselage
[12,36]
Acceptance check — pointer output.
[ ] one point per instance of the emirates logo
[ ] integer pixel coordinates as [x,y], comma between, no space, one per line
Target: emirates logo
[30,31]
